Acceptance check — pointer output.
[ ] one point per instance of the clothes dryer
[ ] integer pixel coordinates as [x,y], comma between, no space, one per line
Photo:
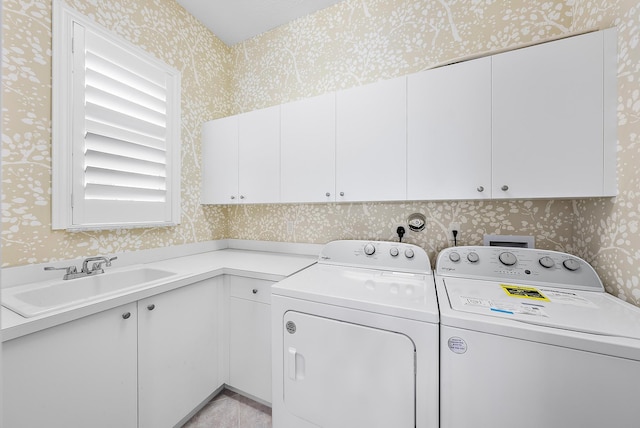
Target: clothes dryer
[530,339]
[355,340]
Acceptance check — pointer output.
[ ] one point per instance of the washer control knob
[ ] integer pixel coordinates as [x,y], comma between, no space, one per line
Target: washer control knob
[473,257]
[408,253]
[507,258]
[369,249]
[454,257]
[394,251]
[571,264]
[546,262]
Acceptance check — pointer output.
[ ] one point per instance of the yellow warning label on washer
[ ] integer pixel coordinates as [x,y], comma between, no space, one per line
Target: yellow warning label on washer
[523,292]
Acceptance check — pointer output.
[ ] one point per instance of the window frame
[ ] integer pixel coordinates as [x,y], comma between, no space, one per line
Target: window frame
[65,136]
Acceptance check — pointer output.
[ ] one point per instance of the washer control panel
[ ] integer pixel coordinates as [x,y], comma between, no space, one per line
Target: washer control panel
[393,256]
[524,265]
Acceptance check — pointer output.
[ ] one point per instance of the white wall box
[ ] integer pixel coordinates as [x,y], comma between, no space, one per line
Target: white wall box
[259,155]
[144,364]
[308,150]
[250,336]
[449,132]
[371,142]
[536,122]
[554,123]
[220,161]
[241,158]
[178,352]
[78,374]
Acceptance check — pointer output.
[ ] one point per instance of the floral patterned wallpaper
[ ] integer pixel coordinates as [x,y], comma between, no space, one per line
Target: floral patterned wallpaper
[352,43]
[162,28]
[360,41]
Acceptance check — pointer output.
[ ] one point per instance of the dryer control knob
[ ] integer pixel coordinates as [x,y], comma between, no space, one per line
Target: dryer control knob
[571,264]
[507,258]
[394,251]
[369,249]
[473,257]
[408,253]
[546,262]
[454,257]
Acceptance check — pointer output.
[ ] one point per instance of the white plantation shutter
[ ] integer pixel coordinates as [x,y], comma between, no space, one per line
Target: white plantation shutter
[124,127]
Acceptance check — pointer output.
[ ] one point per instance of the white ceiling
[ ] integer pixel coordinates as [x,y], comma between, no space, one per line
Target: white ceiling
[236,20]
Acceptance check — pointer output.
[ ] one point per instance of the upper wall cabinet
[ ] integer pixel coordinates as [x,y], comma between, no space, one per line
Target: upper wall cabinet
[259,156]
[220,161]
[241,158]
[371,142]
[449,132]
[554,119]
[537,122]
[308,150]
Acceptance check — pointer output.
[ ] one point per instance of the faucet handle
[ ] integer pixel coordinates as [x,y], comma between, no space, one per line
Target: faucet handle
[97,266]
[69,269]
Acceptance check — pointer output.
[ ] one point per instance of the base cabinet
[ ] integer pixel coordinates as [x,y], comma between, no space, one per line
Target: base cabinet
[78,374]
[177,353]
[144,364]
[250,336]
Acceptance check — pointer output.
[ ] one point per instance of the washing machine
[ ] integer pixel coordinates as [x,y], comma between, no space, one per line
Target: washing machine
[530,339]
[355,340]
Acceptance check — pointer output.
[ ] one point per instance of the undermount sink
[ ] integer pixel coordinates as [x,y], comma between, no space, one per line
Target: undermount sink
[41,297]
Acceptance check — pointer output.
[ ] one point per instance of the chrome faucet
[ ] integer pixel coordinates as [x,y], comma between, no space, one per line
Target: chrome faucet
[96,267]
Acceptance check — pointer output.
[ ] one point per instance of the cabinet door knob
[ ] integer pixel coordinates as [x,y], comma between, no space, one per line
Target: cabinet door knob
[341,193]
[233,197]
[480,189]
[255,291]
[327,194]
[505,188]
[241,196]
[151,307]
[126,315]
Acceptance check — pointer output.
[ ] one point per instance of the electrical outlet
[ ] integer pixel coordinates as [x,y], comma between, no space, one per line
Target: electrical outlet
[291,226]
[394,232]
[452,227]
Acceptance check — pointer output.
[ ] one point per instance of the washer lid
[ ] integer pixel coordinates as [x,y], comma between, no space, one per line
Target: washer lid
[573,310]
[405,295]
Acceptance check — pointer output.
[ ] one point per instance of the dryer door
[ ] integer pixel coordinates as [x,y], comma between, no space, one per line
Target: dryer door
[338,374]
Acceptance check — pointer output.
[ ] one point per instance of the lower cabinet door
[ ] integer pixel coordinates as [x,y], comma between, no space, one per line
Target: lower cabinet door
[78,374]
[177,352]
[250,347]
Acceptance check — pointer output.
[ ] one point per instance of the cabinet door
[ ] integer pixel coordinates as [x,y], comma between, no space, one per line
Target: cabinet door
[250,337]
[308,150]
[78,374]
[371,145]
[220,161]
[548,120]
[259,163]
[177,352]
[449,132]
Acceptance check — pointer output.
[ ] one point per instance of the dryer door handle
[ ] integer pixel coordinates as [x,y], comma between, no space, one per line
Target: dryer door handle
[296,364]
[292,363]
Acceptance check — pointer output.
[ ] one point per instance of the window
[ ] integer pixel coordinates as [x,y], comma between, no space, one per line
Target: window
[116,130]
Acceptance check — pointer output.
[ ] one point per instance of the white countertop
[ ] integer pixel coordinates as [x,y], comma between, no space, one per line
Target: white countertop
[272,266]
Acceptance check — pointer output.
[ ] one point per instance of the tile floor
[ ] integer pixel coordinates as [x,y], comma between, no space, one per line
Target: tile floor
[231,410]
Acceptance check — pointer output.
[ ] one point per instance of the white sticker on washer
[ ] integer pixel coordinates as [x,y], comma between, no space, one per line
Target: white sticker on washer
[505,307]
[568,298]
[475,301]
[457,345]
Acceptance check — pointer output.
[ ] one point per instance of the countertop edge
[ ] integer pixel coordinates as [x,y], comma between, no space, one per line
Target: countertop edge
[272,266]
